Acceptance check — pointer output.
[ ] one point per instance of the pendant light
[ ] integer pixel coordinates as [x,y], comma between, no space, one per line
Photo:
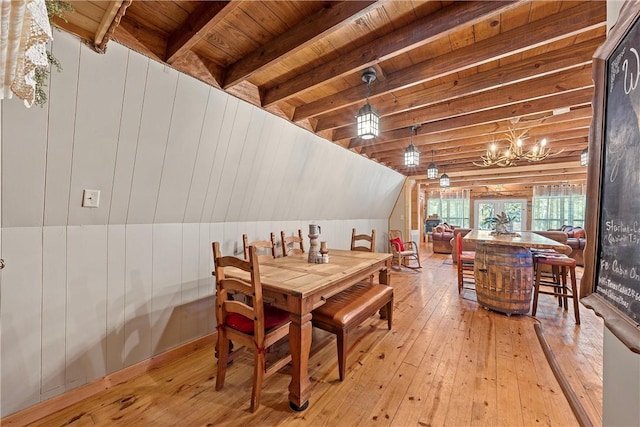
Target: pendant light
[411,153]
[584,157]
[432,169]
[445,181]
[367,120]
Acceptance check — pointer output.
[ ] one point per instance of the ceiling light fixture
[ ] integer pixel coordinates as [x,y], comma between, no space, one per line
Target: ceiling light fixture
[515,152]
[445,181]
[432,169]
[367,120]
[411,153]
[584,157]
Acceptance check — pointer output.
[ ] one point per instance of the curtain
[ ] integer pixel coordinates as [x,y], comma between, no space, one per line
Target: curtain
[451,206]
[24,33]
[556,205]
[559,190]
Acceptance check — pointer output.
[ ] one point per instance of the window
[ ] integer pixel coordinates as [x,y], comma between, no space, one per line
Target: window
[557,205]
[451,207]
[514,208]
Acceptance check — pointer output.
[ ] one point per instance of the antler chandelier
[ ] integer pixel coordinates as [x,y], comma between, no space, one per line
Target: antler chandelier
[515,151]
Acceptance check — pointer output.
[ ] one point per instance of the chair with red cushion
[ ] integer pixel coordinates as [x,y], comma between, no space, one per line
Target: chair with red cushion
[560,263]
[403,251]
[252,323]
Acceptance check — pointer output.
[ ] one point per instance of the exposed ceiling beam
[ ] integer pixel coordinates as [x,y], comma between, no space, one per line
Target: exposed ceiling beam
[538,180]
[564,24]
[132,34]
[452,139]
[419,33]
[471,154]
[527,174]
[106,21]
[528,170]
[526,91]
[205,17]
[549,65]
[467,169]
[479,143]
[333,17]
[199,67]
[544,105]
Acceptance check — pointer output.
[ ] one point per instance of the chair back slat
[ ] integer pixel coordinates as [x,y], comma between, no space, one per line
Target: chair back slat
[292,245]
[363,242]
[265,249]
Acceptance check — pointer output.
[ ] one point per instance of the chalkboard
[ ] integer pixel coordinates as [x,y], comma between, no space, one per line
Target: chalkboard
[618,269]
[611,281]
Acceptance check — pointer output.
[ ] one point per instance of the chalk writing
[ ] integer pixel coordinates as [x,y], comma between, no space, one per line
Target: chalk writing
[628,75]
[622,232]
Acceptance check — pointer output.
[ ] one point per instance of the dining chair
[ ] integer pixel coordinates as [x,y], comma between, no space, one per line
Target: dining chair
[464,266]
[560,263]
[403,251]
[255,325]
[292,245]
[369,244]
[265,249]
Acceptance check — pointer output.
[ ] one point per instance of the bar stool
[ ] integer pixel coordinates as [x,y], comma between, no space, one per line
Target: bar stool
[559,265]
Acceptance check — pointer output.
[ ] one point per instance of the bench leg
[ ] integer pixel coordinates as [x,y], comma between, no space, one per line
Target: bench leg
[389,313]
[342,353]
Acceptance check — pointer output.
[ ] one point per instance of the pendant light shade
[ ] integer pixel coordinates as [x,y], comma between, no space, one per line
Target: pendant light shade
[411,153]
[584,157]
[432,169]
[368,120]
[444,180]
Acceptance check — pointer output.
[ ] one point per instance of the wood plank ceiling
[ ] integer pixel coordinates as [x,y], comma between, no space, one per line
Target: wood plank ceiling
[462,73]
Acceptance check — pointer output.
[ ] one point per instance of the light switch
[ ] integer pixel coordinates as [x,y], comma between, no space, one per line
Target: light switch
[90,198]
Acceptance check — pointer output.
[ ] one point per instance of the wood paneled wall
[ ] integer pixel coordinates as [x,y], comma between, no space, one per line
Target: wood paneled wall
[179,164]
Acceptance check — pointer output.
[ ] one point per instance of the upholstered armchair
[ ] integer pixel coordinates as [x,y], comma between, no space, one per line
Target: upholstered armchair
[441,238]
[577,239]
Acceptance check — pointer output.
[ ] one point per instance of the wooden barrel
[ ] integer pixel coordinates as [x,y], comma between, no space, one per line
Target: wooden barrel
[504,278]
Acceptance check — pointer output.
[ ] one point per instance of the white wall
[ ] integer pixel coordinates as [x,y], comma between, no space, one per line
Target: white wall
[179,164]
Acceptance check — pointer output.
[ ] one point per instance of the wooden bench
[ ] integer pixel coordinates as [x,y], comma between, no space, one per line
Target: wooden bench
[348,309]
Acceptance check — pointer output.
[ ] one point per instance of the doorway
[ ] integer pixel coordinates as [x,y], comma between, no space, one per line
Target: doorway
[515,208]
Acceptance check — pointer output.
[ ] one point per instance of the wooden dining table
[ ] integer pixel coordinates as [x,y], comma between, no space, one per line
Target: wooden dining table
[297,286]
[503,268]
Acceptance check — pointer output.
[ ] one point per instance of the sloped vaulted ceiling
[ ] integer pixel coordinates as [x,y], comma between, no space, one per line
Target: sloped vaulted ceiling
[462,72]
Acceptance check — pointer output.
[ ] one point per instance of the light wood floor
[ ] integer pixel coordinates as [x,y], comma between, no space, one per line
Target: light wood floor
[446,361]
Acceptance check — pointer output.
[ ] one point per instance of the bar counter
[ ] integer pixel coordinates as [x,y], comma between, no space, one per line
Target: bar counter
[503,268]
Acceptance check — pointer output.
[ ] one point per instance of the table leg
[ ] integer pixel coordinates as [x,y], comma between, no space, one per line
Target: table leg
[300,343]
[384,276]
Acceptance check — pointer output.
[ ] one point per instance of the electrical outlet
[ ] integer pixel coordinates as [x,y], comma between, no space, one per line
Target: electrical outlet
[90,198]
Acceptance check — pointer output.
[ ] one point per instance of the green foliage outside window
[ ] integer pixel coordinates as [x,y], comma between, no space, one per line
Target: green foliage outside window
[552,212]
[451,211]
